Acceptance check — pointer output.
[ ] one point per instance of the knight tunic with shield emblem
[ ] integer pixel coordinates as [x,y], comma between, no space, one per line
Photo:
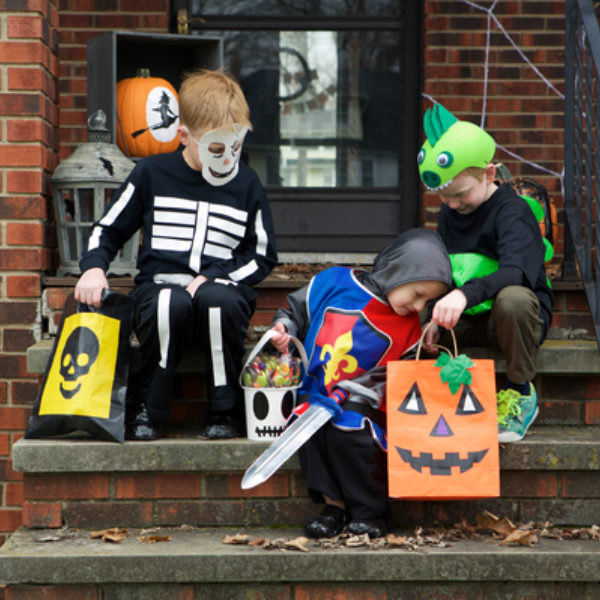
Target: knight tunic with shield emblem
[350,331]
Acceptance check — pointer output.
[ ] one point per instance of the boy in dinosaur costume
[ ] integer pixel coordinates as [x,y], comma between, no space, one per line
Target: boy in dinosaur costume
[501,294]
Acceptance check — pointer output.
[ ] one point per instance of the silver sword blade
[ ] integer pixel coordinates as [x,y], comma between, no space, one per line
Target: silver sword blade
[292,438]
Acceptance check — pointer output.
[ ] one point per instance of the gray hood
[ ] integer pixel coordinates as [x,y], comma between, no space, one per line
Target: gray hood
[415,255]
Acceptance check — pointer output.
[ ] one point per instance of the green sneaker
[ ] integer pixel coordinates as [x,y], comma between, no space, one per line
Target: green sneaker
[506,401]
[515,414]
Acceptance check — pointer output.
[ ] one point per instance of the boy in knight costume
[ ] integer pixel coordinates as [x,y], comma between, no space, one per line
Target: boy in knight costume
[352,322]
[501,294]
[207,238]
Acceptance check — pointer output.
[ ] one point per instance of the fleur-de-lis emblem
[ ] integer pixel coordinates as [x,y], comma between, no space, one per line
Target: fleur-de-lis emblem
[339,358]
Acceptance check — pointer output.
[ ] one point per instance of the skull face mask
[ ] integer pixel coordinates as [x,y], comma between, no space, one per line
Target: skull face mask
[219,153]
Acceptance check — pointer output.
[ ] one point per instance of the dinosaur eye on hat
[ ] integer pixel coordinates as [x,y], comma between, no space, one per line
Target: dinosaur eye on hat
[444,160]
[421,156]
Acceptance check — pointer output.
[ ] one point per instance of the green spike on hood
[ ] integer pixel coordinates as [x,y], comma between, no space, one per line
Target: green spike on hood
[436,122]
[451,146]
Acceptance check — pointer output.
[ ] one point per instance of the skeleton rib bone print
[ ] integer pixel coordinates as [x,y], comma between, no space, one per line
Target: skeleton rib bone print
[198,227]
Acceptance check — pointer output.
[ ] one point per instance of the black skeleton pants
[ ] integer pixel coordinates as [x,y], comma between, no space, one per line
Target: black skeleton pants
[168,319]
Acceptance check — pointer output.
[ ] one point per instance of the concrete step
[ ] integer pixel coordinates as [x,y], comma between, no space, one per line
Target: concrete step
[555,356]
[543,448]
[567,382]
[553,474]
[196,564]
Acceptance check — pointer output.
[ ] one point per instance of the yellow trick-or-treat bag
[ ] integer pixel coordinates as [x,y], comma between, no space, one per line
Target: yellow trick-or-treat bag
[442,428]
[85,384]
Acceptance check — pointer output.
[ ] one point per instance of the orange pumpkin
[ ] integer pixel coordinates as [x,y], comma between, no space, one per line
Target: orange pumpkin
[443,443]
[148,115]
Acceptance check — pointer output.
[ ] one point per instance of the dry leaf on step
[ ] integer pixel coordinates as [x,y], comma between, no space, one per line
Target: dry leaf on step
[152,539]
[395,541]
[519,536]
[502,526]
[297,544]
[114,534]
[256,542]
[238,538]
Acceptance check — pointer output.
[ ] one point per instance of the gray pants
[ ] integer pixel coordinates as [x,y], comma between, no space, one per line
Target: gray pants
[514,325]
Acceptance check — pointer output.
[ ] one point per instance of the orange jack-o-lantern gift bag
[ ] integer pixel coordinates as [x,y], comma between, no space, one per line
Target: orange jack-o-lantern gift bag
[442,428]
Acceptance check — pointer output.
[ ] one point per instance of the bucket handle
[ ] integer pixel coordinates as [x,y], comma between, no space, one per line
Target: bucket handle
[263,341]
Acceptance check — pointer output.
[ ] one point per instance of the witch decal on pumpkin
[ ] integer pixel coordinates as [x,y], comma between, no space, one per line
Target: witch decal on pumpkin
[167,116]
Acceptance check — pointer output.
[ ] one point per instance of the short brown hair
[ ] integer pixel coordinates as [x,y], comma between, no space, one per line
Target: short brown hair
[211,99]
[476,172]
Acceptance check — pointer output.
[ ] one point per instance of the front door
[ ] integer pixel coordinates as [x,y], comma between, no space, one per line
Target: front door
[333,88]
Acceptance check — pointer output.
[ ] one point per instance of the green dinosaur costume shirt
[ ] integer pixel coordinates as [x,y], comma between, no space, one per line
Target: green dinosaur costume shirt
[504,229]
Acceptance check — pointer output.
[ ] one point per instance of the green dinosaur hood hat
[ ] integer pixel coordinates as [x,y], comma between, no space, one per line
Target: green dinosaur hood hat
[451,146]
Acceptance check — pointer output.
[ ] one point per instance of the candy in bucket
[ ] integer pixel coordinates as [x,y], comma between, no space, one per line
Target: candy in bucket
[272,371]
[270,381]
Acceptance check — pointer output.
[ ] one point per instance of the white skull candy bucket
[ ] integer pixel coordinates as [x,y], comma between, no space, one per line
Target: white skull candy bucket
[268,408]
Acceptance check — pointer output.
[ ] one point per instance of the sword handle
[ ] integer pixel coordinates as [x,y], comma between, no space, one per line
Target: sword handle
[331,403]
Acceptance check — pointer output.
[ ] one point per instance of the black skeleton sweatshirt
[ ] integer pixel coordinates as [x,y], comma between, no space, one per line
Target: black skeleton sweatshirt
[189,227]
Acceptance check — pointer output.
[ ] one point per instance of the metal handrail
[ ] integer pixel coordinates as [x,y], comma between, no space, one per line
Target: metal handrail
[582,145]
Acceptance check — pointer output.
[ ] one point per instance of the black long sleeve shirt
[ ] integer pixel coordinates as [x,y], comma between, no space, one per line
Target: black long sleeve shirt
[188,226]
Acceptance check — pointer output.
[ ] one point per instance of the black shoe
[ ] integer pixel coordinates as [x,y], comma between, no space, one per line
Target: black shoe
[328,523]
[221,427]
[376,527]
[142,427]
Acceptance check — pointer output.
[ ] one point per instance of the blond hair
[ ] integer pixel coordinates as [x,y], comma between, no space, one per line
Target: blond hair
[211,99]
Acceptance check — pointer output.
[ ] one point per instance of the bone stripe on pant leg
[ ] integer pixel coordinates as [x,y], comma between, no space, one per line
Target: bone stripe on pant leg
[216,346]
[163,325]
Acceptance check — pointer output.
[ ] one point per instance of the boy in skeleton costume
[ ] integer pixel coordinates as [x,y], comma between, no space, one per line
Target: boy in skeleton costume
[207,238]
[352,322]
[502,296]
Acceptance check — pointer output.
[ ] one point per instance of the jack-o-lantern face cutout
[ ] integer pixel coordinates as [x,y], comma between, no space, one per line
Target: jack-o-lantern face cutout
[442,429]
[414,404]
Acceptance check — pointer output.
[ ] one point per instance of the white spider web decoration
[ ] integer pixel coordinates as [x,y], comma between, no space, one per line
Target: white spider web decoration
[491,21]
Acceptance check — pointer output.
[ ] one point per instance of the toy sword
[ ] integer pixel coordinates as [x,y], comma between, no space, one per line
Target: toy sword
[292,438]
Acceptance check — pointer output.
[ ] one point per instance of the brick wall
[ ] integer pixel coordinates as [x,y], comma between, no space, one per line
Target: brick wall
[43,115]
[28,117]
[524,115]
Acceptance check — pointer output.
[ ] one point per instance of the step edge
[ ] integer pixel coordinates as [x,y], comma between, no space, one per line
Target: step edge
[554,357]
[202,558]
[540,450]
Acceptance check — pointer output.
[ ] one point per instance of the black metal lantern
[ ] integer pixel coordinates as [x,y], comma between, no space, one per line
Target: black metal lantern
[82,187]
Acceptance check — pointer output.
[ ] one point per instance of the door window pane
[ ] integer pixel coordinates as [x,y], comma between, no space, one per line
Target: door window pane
[323,105]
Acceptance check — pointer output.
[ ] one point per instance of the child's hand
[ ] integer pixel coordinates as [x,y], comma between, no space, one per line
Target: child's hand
[90,285]
[432,335]
[447,310]
[195,284]
[281,338]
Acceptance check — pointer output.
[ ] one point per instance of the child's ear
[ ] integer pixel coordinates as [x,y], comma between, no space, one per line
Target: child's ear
[184,135]
[490,173]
